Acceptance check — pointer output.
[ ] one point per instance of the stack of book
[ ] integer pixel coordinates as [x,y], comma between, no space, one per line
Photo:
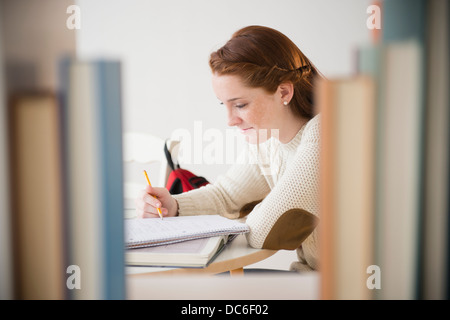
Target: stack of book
[385,159]
[67,186]
[189,241]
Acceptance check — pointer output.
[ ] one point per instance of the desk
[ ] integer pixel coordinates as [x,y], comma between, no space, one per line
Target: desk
[283,286]
[233,258]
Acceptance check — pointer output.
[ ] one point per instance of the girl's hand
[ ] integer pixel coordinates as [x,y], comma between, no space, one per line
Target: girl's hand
[146,204]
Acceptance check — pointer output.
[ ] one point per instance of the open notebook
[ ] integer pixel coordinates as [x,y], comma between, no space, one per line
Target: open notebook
[190,241]
[154,232]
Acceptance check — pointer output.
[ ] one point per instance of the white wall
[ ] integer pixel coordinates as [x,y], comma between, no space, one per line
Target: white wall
[165,46]
[35,39]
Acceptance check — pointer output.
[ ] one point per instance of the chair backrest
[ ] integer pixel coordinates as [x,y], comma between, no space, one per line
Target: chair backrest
[143,151]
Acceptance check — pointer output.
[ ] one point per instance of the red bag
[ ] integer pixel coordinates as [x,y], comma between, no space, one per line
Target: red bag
[181,180]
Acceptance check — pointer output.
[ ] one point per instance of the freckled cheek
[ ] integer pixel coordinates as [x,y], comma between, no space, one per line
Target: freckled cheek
[251,120]
[257,118]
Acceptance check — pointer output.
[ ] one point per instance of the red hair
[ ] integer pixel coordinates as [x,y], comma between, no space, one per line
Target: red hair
[264,58]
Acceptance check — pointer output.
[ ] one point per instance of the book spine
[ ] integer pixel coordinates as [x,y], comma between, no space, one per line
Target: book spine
[94,175]
[36,190]
[6,267]
[347,174]
[110,125]
[82,177]
[435,267]
[399,170]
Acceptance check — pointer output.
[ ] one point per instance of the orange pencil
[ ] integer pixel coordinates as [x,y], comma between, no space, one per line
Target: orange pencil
[148,180]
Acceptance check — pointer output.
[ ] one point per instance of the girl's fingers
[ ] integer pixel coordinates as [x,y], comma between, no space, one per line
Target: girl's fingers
[151,200]
[147,205]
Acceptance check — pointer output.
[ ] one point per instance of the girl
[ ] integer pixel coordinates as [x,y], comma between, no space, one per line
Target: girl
[266,84]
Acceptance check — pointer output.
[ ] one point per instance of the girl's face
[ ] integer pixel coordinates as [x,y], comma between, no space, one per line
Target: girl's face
[256,113]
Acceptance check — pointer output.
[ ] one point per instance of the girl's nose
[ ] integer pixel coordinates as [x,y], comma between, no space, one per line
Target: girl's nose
[233,119]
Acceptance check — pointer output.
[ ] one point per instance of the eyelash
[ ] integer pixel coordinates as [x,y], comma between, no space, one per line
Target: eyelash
[239,106]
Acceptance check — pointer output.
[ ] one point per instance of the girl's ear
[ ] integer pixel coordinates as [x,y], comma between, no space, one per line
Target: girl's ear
[286,92]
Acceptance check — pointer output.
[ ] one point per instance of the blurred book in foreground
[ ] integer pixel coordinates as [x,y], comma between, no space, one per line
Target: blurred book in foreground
[347,180]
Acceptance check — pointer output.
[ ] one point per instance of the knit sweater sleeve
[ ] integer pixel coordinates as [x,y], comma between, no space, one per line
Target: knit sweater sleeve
[298,188]
[242,184]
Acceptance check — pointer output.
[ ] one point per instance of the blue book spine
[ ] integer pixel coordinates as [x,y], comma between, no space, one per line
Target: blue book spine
[63,91]
[110,135]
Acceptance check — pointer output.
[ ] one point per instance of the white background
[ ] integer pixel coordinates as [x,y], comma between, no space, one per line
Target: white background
[165,45]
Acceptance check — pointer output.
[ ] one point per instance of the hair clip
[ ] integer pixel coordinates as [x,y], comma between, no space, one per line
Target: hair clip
[305,68]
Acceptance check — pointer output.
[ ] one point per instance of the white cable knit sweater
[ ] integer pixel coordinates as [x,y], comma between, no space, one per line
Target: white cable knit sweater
[283,176]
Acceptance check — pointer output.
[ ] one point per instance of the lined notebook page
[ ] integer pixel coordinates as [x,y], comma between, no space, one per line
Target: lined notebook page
[195,246]
[153,231]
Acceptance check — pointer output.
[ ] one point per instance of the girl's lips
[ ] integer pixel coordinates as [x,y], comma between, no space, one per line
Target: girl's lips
[245,130]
